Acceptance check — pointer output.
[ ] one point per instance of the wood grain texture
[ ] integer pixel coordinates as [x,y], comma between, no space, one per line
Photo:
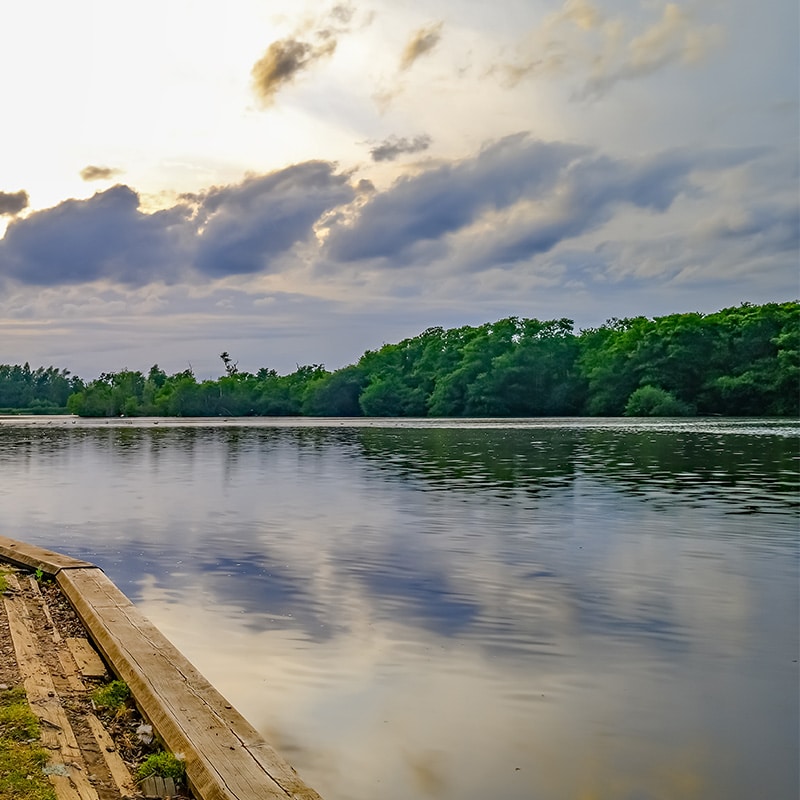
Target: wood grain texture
[226,758]
[89,663]
[116,766]
[57,736]
[28,555]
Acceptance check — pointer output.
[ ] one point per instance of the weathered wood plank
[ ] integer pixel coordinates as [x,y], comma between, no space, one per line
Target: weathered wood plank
[29,555]
[81,657]
[226,758]
[116,766]
[154,786]
[57,735]
[88,662]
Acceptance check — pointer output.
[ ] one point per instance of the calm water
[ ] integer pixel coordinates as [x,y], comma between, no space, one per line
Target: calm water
[542,609]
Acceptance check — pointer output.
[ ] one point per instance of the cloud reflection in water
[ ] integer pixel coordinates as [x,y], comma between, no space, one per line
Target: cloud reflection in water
[454,613]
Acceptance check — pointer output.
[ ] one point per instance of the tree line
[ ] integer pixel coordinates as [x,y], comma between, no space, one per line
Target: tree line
[44,390]
[740,361]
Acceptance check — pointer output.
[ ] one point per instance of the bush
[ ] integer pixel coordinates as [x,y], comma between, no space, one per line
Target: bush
[652,401]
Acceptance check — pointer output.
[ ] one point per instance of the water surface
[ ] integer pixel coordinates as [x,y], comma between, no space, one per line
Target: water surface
[436,609]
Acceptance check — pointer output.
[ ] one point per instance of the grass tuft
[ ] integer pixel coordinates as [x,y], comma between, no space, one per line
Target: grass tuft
[163,764]
[112,697]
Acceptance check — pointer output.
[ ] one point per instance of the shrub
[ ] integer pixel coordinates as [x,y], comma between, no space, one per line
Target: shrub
[652,401]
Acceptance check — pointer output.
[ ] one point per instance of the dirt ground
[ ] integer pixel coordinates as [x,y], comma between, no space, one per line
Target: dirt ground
[89,761]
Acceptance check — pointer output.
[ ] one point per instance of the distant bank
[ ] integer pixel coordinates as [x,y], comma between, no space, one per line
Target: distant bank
[740,361]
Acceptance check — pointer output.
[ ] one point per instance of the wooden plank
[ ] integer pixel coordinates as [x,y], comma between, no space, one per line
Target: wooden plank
[88,662]
[68,665]
[29,555]
[57,735]
[154,786]
[37,590]
[116,766]
[81,653]
[226,758]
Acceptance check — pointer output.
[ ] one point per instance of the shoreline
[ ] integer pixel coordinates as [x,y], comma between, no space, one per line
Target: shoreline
[225,757]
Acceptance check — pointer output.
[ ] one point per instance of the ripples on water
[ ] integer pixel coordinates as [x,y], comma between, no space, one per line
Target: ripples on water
[516,609]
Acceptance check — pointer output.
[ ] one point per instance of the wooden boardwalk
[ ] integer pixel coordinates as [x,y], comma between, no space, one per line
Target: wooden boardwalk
[84,763]
[226,758]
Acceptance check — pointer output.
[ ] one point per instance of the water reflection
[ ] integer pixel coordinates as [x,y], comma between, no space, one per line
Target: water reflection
[515,610]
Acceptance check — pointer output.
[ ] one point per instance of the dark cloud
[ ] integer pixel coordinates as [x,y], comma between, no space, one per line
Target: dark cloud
[421,42]
[515,200]
[549,192]
[95,173]
[12,203]
[391,148]
[105,236]
[589,193]
[227,230]
[246,225]
[365,186]
[451,196]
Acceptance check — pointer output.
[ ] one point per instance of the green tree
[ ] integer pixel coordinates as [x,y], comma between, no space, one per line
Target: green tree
[335,394]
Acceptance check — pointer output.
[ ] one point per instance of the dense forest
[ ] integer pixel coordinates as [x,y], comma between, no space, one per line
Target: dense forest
[740,361]
[36,391]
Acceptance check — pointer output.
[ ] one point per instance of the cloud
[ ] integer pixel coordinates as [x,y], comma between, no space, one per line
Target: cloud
[229,230]
[286,58]
[604,50]
[518,217]
[516,199]
[244,226]
[450,197]
[12,203]
[283,60]
[391,148]
[421,42]
[96,173]
[673,39]
[105,236]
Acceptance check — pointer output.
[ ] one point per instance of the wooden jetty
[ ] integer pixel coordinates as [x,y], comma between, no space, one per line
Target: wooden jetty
[226,758]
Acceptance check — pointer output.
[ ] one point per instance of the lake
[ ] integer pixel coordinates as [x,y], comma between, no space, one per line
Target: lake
[548,609]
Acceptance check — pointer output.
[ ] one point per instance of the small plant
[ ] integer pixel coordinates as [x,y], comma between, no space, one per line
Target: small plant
[39,575]
[112,697]
[3,582]
[163,764]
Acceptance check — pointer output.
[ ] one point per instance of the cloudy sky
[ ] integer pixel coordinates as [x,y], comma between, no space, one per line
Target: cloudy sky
[299,182]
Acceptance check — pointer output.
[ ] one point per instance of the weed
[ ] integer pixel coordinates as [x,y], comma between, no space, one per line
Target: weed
[112,697]
[163,764]
[39,575]
[3,582]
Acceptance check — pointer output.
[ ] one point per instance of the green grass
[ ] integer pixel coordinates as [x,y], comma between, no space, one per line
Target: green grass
[21,757]
[112,697]
[163,764]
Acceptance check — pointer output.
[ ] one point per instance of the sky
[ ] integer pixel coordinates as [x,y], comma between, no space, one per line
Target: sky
[297,183]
